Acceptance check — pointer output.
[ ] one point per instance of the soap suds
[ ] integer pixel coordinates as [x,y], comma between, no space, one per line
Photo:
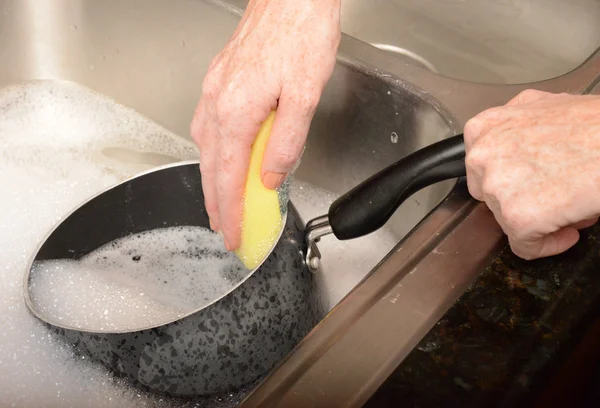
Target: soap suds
[53,135]
[132,283]
[61,144]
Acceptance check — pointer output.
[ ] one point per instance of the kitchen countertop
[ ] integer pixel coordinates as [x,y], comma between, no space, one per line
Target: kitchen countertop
[506,337]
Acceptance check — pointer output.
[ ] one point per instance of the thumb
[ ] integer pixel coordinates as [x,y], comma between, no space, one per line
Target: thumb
[286,141]
[548,245]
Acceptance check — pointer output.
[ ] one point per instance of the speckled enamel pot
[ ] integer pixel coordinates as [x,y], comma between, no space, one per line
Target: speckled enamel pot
[221,347]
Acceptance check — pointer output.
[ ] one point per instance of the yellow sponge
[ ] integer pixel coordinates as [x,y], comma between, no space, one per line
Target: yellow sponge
[261,218]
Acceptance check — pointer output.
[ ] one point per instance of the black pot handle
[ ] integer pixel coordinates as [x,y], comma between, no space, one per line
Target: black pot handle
[368,206]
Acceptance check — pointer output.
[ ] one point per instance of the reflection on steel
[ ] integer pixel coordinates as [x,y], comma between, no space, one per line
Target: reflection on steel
[407,53]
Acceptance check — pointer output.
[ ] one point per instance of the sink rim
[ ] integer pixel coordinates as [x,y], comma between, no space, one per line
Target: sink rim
[423,75]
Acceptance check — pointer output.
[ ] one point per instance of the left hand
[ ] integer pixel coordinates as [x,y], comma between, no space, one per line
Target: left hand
[536,164]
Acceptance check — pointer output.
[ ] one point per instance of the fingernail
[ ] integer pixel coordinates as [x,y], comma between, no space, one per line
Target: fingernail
[227,246]
[213,226]
[273,180]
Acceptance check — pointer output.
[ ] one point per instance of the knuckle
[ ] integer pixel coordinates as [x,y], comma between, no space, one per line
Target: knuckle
[216,63]
[474,189]
[491,114]
[529,94]
[476,159]
[517,219]
[233,98]
[475,128]
[491,186]
[285,157]
[210,85]
[196,130]
[225,105]
[308,100]
[471,130]
[206,167]
[311,100]
[200,137]
[511,215]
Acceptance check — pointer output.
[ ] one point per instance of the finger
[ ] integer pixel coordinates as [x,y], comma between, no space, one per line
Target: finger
[529,96]
[288,137]
[232,170]
[479,125]
[474,184]
[548,245]
[489,118]
[475,165]
[204,131]
[585,223]
[233,157]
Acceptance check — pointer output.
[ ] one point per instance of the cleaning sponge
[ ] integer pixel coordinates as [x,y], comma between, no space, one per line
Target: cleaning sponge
[262,219]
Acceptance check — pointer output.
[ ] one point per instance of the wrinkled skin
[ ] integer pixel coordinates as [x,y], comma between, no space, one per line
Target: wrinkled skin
[536,164]
[281,56]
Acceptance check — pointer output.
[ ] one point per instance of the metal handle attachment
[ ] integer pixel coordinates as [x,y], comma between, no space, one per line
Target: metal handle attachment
[315,229]
[368,206]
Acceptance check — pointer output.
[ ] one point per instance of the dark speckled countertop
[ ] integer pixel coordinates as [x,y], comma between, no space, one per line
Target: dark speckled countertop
[508,337]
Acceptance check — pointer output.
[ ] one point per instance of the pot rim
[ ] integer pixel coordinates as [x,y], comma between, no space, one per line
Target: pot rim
[32,308]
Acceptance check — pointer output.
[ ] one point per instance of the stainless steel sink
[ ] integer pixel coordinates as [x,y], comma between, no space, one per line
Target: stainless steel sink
[389,288]
[153,61]
[491,41]
[481,40]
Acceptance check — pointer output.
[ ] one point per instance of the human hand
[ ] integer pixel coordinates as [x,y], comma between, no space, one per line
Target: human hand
[281,56]
[536,164]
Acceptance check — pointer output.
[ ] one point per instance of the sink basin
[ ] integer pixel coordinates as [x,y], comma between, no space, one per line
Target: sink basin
[480,40]
[151,58]
[489,41]
[154,62]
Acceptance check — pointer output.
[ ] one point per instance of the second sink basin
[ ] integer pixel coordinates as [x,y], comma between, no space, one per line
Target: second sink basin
[488,41]
[491,41]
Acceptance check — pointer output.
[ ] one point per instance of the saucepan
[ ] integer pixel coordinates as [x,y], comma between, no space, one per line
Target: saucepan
[239,335]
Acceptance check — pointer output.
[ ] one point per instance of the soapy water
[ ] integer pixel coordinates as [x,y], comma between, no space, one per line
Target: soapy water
[55,137]
[62,143]
[138,281]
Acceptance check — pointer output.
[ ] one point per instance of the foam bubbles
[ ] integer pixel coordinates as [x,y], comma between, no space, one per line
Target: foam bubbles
[135,282]
[54,138]
[61,144]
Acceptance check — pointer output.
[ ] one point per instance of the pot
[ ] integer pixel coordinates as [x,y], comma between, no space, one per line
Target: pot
[239,337]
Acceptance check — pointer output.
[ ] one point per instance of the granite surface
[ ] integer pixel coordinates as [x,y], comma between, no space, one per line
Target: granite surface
[505,338]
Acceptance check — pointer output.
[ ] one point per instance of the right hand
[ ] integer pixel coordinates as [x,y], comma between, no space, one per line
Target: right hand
[281,56]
